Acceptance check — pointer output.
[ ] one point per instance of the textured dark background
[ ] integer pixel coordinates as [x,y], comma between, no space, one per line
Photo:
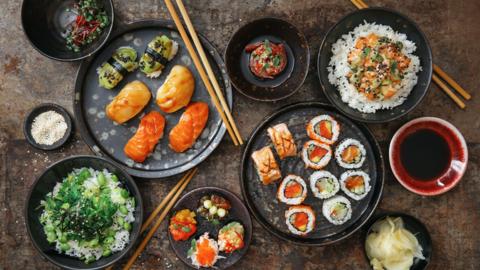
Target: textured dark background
[453,219]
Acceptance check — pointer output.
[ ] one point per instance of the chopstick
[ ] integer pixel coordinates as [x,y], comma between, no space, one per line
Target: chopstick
[177,191]
[439,74]
[234,134]
[206,65]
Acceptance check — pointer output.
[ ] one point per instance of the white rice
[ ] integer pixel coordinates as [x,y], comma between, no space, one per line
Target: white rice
[330,203]
[315,136]
[322,176]
[338,68]
[323,161]
[366,181]
[342,146]
[300,209]
[281,190]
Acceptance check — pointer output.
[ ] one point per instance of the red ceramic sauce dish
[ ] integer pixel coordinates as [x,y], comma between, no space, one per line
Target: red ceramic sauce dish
[428,156]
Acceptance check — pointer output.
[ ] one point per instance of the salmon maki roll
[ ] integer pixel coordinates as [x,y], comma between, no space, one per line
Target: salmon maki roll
[147,136]
[316,155]
[189,128]
[350,154]
[323,128]
[266,165]
[282,140]
[292,190]
[300,219]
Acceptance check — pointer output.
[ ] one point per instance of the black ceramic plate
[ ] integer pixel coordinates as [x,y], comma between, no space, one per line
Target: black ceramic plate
[108,139]
[262,200]
[417,228]
[45,184]
[277,31]
[399,23]
[238,212]
[27,125]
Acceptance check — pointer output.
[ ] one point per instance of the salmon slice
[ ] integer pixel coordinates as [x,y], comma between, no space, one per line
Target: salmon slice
[143,142]
[293,190]
[326,129]
[191,124]
[354,181]
[317,154]
[350,153]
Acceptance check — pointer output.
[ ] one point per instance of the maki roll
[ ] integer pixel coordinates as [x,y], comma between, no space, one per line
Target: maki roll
[350,154]
[203,252]
[316,155]
[230,237]
[123,60]
[356,184]
[282,140]
[323,128]
[323,184]
[157,54]
[266,165]
[292,190]
[337,210]
[300,219]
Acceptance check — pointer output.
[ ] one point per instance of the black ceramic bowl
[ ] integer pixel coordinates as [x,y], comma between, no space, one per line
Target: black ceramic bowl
[44,21]
[284,84]
[45,183]
[399,23]
[41,109]
[413,225]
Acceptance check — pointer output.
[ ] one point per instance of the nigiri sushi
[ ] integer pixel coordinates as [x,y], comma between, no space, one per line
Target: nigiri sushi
[282,140]
[111,72]
[147,136]
[266,165]
[158,53]
[129,102]
[177,90]
[191,124]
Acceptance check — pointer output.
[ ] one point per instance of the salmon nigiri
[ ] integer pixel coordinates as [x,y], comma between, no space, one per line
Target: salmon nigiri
[190,126]
[147,136]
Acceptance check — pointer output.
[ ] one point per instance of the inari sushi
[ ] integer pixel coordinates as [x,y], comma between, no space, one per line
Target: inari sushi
[356,184]
[292,190]
[158,53]
[323,128]
[350,154]
[282,140]
[300,219]
[266,165]
[203,252]
[337,210]
[324,184]
[316,155]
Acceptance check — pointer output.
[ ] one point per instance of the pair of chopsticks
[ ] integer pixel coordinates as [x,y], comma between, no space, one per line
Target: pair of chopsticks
[440,77]
[166,205]
[215,92]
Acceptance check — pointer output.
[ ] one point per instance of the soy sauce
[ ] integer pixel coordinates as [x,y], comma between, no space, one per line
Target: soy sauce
[425,154]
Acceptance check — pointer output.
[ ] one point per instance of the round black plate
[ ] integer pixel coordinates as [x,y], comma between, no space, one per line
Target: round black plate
[108,139]
[399,23]
[262,201]
[417,228]
[238,212]
[45,184]
[27,125]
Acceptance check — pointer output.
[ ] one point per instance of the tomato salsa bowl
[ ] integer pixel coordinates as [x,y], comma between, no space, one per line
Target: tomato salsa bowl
[428,156]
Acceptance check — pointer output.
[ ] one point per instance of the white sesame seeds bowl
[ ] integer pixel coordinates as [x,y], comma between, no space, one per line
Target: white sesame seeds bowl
[48,126]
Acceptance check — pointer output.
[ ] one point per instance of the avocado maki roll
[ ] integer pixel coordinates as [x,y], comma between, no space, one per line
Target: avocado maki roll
[337,210]
[324,184]
[157,54]
[111,72]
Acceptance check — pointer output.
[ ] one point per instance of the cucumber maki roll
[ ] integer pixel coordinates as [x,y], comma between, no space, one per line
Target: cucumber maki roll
[157,54]
[112,71]
[324,184]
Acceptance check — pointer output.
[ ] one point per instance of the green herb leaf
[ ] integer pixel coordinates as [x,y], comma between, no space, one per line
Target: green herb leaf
[366,51]
[186,229]
[276,60]
[393,67]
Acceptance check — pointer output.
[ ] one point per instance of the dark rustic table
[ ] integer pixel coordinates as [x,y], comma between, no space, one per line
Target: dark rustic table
[453,219]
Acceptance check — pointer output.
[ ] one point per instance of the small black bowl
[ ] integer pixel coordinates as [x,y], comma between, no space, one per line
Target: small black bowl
[45,184]
[399,23]
[277,31]
[41,109]
[44,21]
[238,212]
[413,225]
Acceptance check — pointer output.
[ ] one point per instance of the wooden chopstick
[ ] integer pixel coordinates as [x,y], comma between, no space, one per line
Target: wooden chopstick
[206,65]
[447,91]
[157,224]
[442,74]
[200,69]
[359,4]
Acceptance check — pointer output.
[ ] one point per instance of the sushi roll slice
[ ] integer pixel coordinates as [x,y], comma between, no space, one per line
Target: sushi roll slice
[323,128]
[266,165]
[123,60]
[158,53]
[203,252]
[356,184]
[282,140]
[300,219]
[316,155]
[337,210]
[350,154]
[292,190]
[324,184]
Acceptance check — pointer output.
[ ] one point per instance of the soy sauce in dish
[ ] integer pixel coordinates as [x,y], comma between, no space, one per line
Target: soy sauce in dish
[425,154]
